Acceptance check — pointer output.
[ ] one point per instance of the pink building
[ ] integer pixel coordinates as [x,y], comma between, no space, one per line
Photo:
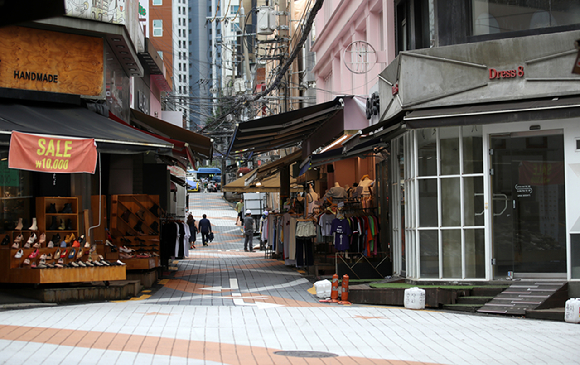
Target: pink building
[340,23]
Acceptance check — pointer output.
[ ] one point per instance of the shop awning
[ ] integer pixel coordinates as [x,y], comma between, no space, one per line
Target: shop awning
[272,168]
[282,130]
[200,145]
[74,121]
[477,114]
[268,185]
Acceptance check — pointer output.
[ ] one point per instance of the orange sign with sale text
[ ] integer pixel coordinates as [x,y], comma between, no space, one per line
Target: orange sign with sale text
[42,153]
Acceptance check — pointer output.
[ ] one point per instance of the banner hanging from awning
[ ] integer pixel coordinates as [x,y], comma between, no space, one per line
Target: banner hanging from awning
[35,152]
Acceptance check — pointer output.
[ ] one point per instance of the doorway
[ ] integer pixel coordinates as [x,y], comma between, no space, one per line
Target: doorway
[528,209]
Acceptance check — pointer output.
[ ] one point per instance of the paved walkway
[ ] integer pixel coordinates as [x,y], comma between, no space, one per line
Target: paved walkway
[226,306]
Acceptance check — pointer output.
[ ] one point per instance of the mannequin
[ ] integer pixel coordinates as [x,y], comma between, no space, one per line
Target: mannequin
[336,191]
[366,183]
[366,188]
[311,198]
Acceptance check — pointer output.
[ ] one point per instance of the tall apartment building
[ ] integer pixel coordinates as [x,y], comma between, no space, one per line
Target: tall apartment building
[167,23]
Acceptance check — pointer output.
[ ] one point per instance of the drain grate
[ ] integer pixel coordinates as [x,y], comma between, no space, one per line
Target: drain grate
[305,353]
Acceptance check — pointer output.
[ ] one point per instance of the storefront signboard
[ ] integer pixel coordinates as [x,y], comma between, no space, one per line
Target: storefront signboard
[37,152]
[8,177]
[42,60]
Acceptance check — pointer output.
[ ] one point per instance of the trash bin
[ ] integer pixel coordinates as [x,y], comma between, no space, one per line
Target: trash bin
[572,312]
[415,298]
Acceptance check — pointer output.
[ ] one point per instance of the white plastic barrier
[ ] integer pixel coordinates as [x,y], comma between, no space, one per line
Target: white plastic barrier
[415,298]
[572,313]
[323,288]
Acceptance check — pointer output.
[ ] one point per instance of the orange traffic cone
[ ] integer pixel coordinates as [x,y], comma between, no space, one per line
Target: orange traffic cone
[344,295]
[334,292]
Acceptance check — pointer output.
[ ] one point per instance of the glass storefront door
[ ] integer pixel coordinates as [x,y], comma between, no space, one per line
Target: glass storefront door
[528,222]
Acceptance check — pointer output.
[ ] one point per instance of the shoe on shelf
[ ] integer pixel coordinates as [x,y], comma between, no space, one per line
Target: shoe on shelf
[61,227]
[51,208]
[81,263]
[67,208]
[15,245]
[119,262]
[76,244]
[26,262]
[26,245]
[69,239]
[42,264]
[33,254]
[19,226]
[6,240]
[63,254]
[63,244]
[42,238]
[19,254]
[19,238]
[80,254]
[89,264]
[57,253]
[54,224]
[81,239]
[59,263]
[69,225]
[72,253]
[50,244]
[34,226]
[49,256]
[74,264]
[42,257]
[33,265]
[36,245]
[32,238]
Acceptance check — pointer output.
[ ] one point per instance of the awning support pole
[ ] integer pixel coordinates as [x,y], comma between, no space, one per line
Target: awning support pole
[100,199]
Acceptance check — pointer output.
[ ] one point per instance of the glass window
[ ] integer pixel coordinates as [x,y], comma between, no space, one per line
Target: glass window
[427,152]
[449,150]
[474,254]
[157,28]
[15,195]
[429,254]
[157,2]
[473,209]
[500,16]
[472,149]
[450,202]
[234,9]
[451,251]
[428,203]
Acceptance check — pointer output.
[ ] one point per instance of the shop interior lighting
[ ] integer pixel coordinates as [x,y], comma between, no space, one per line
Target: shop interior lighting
[334,143]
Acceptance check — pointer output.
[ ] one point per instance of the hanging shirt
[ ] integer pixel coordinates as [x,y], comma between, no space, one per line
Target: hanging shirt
[341,231]
[326,223]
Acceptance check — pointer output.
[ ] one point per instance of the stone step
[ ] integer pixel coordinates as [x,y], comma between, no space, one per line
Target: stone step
[473,300]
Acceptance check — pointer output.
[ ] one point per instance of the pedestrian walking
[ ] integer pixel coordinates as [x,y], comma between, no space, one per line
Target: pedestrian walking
[249,231]
[240,209]
[205,229]
[192,224]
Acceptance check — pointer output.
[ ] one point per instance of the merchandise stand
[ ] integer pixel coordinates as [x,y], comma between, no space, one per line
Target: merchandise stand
[135,226]
[55,216]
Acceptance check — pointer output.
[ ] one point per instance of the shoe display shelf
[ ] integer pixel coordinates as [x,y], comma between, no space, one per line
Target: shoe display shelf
[135,226]
[65,211]
[57,215]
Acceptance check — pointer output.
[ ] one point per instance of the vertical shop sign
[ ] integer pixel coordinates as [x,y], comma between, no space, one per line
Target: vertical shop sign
[35,152]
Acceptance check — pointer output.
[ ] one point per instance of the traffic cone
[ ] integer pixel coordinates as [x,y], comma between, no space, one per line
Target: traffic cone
[334,292]
[344,294]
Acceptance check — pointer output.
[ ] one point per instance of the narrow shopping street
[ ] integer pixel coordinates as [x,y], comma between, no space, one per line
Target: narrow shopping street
[227,306]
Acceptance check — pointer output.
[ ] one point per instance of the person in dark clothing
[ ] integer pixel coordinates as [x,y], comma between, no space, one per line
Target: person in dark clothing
[204,229]
[249,231]
[192,230]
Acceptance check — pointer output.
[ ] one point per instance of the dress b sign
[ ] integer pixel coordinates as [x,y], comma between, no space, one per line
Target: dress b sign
[42,153]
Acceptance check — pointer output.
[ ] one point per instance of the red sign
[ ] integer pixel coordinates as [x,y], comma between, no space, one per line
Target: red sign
[507,74]
[36,152]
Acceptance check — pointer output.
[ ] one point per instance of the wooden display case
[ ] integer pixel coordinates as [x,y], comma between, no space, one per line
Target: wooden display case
[135,225]
[15,270]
